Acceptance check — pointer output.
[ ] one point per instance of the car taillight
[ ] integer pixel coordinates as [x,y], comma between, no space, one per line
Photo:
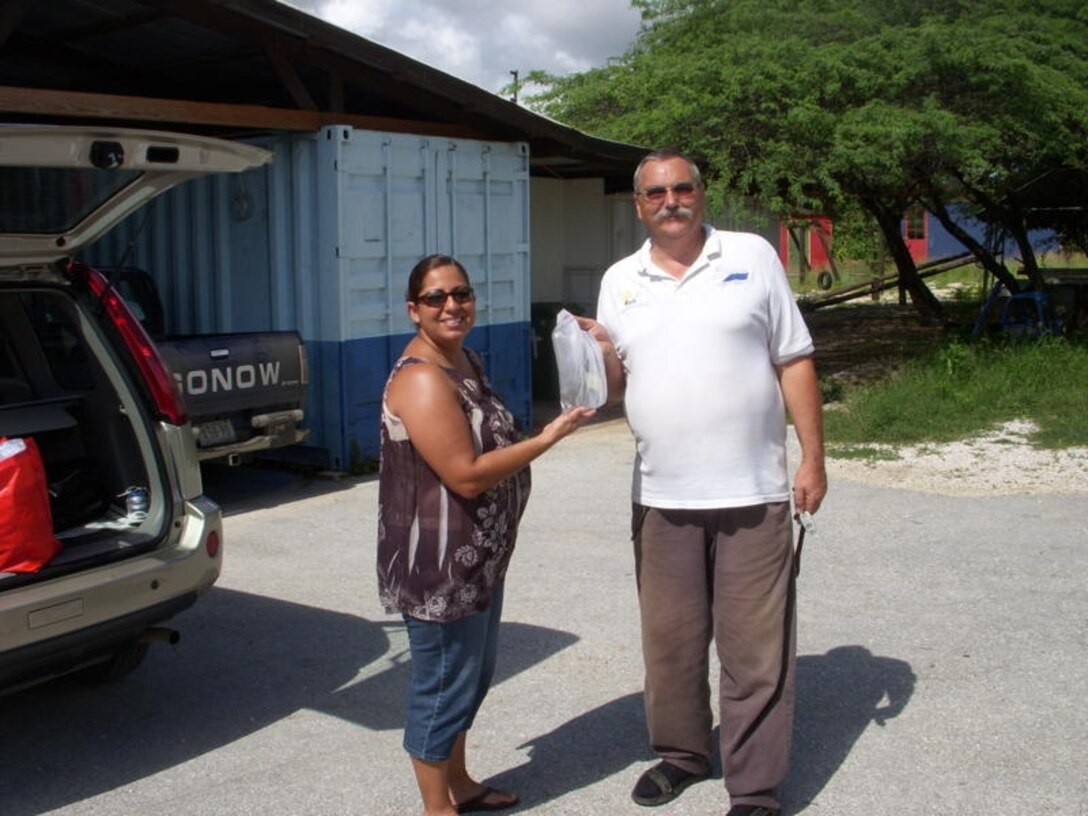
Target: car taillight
[164,391]
[211,544]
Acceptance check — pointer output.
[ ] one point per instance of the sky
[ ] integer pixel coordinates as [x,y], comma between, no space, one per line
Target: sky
[482,41]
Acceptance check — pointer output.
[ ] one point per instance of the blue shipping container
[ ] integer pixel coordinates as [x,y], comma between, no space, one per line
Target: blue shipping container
[322,240]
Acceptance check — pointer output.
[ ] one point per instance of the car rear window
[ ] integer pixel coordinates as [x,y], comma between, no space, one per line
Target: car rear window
[61,341]
[51,356]
[54,199]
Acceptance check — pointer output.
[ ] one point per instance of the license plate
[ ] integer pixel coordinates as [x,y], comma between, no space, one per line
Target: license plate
[215,432]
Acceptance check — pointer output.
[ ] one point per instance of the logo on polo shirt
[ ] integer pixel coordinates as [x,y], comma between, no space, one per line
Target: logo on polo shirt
[734,276]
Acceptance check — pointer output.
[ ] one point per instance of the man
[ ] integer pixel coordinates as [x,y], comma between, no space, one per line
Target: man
[705,344]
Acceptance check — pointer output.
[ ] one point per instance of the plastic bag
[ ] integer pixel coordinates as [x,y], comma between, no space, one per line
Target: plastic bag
[27,542]
[578,357]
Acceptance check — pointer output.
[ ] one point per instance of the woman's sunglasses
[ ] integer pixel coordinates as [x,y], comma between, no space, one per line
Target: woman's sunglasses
[436,298]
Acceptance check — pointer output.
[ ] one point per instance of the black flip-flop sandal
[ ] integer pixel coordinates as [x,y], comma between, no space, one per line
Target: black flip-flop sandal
[479,803]
[662,783]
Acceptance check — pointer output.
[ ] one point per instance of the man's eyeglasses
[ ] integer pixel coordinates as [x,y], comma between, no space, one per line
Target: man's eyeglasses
[684,191]
[436,298]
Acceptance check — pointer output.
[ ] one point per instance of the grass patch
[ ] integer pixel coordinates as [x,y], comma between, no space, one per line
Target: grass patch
[867,453]
[831,391]
[962,390]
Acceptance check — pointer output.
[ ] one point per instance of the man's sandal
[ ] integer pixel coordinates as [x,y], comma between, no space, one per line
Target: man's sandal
[662,783]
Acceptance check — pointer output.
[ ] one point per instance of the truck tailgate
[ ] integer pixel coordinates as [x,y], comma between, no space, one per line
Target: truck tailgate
[226,373]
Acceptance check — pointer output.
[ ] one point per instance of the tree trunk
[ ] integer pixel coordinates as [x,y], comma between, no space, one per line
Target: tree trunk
[802,256]
[1014,221]
[1009,218]
[890,221]
[985,257]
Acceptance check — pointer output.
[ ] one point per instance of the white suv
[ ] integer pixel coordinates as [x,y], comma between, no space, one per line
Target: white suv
[139,542]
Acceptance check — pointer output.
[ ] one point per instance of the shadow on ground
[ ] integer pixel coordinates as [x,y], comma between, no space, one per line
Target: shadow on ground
[245,662]
[260,485]
[840,694]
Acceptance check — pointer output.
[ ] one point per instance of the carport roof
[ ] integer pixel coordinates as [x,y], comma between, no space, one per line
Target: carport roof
[238,67]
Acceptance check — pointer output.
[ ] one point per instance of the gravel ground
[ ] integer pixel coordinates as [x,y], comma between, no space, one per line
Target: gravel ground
[1001,462]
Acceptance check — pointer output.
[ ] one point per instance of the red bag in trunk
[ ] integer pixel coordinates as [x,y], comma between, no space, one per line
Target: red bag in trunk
[27,542]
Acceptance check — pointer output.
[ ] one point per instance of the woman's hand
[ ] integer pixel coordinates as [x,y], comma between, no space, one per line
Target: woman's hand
[426,401]
[567,423]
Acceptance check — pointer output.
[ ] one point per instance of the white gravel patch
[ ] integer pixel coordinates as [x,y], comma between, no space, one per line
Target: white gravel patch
[1000,462]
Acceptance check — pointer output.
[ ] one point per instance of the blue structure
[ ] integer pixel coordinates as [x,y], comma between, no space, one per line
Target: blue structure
[941,244]
[322,240]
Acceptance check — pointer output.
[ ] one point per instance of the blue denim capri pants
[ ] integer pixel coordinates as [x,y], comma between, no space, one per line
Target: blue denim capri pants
[452,667]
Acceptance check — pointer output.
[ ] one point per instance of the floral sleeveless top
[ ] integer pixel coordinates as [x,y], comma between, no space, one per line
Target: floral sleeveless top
[440,554]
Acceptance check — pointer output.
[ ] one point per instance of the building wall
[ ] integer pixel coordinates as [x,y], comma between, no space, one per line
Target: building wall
[578,232]
[548,239]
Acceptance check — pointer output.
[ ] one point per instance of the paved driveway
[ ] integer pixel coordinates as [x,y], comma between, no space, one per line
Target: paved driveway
[942,664]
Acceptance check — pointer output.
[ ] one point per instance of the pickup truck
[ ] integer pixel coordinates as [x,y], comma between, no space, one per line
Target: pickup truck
[244,392]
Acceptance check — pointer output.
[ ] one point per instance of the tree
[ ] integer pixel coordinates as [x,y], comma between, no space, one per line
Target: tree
[1015,83]
[810,107]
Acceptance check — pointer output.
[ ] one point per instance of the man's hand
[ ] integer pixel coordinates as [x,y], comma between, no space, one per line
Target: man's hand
[613,366]
[599,332]
[801,391]
[809,487]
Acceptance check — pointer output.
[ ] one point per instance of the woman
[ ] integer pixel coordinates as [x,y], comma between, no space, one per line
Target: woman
[454,483]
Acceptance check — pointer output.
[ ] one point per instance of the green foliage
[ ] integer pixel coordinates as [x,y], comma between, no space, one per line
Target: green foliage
[831,391]
[963,390]
[857,240]
[849,107]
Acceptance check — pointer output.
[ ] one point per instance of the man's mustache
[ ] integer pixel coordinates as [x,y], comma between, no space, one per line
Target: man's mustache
[682,212]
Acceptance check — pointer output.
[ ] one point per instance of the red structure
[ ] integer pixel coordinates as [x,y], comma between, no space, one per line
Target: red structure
[810,237]
[916,233]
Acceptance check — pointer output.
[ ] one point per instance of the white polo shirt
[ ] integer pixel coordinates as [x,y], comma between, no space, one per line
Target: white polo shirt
[702,398]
